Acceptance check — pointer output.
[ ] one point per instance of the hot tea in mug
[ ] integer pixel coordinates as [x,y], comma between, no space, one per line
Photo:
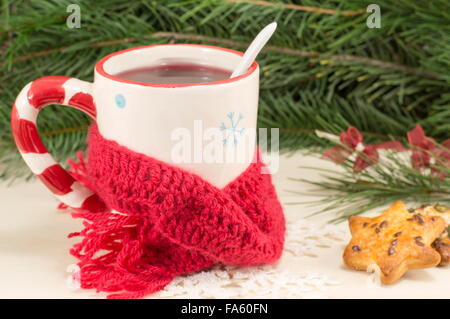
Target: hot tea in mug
[176,73]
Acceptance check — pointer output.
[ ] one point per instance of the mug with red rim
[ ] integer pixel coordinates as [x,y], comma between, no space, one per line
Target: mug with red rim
[143,116]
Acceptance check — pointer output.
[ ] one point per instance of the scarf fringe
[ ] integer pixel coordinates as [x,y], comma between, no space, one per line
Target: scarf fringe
[112,253]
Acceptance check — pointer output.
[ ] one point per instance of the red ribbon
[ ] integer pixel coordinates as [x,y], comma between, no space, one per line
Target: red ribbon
[424,148]
[352,141]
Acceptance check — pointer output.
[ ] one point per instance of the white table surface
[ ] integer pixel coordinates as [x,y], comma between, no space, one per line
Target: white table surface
[34,246]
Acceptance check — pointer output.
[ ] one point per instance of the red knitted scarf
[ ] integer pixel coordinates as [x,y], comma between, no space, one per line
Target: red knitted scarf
[171,222]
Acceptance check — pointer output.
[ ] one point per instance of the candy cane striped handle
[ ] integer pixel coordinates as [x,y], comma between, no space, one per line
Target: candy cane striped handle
[34,97]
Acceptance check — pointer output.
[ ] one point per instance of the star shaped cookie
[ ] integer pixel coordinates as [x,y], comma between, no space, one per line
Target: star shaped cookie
[396,241]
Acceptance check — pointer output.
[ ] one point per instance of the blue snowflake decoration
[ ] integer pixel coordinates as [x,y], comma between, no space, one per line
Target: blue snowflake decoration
[232,131]
[120,101]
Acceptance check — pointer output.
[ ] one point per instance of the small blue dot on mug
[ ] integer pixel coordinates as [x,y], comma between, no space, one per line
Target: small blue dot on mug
[120,101]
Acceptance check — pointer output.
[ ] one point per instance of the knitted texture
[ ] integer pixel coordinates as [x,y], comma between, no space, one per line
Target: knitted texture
[171,222]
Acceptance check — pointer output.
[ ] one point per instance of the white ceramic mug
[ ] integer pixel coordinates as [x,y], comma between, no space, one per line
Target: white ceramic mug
[143,117]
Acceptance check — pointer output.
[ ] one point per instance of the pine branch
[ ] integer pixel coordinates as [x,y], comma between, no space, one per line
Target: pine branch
[231,43]
[300,8]
[323,70]
[392,178]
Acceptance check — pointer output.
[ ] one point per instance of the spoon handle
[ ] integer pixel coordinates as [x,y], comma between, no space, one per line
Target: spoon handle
[252,51]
